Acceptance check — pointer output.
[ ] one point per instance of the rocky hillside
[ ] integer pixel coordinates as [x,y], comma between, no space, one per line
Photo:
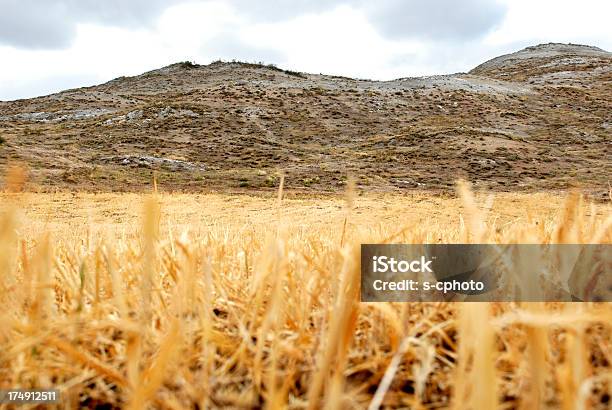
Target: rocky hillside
[537,119]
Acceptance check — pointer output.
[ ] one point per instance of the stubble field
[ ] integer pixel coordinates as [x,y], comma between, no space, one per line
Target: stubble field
[206,301]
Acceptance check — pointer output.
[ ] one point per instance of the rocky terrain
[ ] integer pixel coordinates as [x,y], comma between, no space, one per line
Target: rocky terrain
[538,119]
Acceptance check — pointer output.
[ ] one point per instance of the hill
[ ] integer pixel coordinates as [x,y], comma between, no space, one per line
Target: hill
[538,119]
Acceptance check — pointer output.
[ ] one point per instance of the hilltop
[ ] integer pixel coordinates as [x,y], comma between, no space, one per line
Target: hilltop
[537,119]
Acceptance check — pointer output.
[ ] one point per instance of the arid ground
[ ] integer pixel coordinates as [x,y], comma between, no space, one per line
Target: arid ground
[538,119]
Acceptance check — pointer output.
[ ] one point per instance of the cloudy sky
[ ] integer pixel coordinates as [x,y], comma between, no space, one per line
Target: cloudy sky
[51,45]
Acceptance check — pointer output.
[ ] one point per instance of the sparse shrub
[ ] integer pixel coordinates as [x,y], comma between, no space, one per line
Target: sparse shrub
[310,181]
[69,177]
[32,131]
[243,182]
[271,181]
[261,64]
[188,64]
[294,73]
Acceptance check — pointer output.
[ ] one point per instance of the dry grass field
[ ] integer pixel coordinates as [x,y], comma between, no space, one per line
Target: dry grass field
[176,301]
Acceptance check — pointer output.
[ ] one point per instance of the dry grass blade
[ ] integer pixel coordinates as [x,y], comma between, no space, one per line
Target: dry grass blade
[340,331]
[229,301]
[87,360]
[152,378]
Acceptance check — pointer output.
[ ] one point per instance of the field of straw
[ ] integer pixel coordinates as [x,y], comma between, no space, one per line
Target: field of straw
[177,301]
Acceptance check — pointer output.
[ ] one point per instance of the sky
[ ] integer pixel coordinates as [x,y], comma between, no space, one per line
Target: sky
[51,45]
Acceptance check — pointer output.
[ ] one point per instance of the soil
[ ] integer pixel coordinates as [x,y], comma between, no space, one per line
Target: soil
[538,119]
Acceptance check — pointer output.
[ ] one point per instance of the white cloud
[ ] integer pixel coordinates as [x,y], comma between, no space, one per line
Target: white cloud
[48,24]
[529,21]
[341,42]
[338,37]
[100,53]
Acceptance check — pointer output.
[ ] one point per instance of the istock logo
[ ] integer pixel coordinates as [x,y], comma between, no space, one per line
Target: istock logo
[383,264]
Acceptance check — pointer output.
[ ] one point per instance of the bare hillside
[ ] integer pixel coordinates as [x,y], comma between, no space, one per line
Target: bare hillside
[536,119]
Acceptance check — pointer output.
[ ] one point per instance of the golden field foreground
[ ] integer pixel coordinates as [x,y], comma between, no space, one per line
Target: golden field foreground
[178,301]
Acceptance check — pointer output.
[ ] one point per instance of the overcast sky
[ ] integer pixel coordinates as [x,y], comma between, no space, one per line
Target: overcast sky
[51,45]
